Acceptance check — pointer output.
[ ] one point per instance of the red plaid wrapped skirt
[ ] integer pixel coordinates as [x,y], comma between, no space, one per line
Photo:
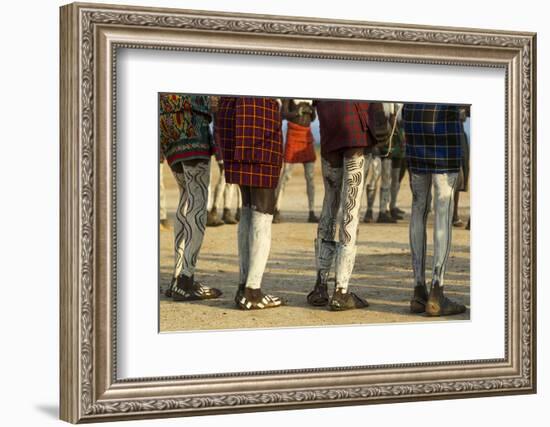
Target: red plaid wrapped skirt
[343,124]
[248,131]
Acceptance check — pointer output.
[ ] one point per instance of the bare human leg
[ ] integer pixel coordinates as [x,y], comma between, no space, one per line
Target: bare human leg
[309,169]
[352,185]
[196,177]
[325,246]
[444,187]
[420,188]
[261,203]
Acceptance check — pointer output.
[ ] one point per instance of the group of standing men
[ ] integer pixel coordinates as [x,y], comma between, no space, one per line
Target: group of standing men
[248,137]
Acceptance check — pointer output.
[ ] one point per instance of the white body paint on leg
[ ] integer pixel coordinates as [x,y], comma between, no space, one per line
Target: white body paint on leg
[326,230]
[179,241]
[385,184]
[352,185]
[162,194]
[285,177]
[237,192]
[368,162]
[444,189]
[309,171]
[228,192]
[376,170]
[325,250]
[210,201]
[420,188]
[197,179]
[220,189]
[259,246]
[443,206]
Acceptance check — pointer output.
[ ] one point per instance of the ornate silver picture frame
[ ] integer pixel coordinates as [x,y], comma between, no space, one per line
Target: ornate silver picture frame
[91,390]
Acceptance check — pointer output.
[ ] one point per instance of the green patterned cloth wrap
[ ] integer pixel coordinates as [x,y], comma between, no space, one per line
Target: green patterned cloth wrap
[184,127]
[398,142]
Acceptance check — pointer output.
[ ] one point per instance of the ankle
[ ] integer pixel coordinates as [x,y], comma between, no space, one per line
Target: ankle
[421,291]
[185,282]
[436,288]
[253,295]
[321,278]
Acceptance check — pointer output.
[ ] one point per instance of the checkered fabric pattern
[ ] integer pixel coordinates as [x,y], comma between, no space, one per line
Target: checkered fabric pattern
[433,137]
[343,124]
[217,146]
[250,136]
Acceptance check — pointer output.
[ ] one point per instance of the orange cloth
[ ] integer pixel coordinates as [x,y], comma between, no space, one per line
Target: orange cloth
[299,144]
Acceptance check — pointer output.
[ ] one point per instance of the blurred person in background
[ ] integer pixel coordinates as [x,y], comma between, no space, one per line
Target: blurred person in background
[299,148]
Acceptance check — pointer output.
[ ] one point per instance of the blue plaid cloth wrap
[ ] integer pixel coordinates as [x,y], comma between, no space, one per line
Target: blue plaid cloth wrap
[433,137]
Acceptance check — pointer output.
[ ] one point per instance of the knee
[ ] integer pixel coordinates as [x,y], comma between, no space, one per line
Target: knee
[195,162]
[443,200]
[443,194]
[245,195]
[332,177]
[420,197]
[334,159]
[418,200]
[263,200]
[286,175]
[354,167]
[354,152]
[176,167]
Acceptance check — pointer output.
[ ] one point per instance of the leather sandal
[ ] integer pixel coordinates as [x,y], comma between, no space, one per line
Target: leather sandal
[239,294]
[254,299]
[420,297]
[168,291]
[439,305]
[318,297]
[193,291]
[346,301]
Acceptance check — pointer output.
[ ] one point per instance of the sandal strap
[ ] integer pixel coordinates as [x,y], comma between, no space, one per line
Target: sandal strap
[203,289]
[267,301]
[197,291]
[319,295]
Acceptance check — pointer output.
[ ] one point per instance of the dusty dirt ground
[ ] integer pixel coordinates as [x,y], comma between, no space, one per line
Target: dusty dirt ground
[382,272]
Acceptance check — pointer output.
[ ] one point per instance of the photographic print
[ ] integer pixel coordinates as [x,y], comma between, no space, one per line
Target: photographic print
[242,191]
[332,212]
